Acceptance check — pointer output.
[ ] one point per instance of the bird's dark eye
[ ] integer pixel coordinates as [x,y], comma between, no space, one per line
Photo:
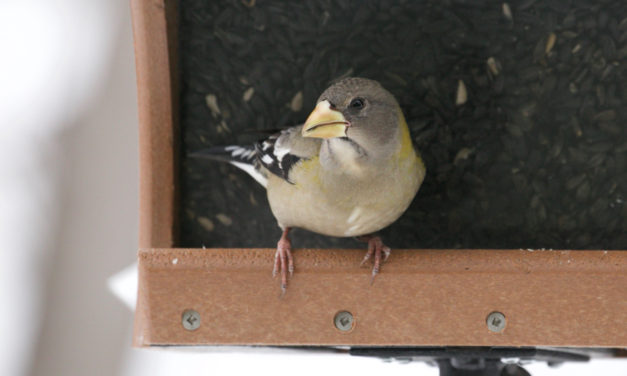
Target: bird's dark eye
[357,103]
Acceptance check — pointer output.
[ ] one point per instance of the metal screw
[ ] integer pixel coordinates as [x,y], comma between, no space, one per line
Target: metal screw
[191,319]
[343,321]
[496,322]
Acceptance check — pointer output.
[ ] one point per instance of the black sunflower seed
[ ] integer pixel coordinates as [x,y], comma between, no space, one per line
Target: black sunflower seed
[542,130]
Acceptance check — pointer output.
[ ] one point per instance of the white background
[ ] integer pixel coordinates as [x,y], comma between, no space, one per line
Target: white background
[68,208]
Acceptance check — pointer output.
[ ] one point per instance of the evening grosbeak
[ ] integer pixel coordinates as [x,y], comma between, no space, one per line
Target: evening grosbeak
[349,171]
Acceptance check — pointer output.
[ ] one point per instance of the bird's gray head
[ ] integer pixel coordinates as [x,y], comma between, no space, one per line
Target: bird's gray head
[359,111]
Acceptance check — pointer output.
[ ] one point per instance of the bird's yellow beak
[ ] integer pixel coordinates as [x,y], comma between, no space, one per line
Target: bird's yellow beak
[325,122]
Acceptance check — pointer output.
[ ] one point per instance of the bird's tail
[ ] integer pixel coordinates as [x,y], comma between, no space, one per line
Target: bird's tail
[243,157]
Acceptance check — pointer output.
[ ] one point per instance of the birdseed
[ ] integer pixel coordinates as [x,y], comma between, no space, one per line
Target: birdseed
[535,158]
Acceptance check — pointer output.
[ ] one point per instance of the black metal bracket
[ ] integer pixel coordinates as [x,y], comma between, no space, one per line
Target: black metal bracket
[475,361]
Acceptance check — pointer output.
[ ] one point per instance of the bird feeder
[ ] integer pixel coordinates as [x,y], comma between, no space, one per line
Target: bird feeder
[424,298]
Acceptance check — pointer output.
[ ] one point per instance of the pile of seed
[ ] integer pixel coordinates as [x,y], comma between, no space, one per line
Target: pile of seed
[519,110]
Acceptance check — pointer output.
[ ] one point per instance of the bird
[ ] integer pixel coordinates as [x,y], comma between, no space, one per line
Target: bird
[349,170]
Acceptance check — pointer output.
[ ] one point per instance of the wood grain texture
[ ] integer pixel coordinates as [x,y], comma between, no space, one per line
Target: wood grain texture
[422,298]
[154,31]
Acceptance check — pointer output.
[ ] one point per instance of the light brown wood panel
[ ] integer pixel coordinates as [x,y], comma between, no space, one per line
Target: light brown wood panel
[154,32]
[422,298]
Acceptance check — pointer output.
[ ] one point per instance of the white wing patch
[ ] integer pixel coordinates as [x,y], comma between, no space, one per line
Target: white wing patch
[275,155]
[252,171]
[267,159]
[241,152]
[280,152]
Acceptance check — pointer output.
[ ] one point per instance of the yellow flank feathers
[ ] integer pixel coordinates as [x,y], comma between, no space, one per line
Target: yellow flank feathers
[406,150]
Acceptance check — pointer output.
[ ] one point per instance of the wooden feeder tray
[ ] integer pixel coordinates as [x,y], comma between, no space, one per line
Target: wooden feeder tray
[424,297]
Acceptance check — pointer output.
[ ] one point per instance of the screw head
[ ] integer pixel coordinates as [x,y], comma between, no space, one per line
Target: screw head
[190,319]
[496,322]
[343,321]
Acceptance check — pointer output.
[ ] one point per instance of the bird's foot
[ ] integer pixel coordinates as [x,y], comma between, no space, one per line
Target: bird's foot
[376,248]
[283,261]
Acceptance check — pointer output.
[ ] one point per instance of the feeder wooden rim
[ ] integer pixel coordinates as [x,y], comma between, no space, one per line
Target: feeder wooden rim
[422,298]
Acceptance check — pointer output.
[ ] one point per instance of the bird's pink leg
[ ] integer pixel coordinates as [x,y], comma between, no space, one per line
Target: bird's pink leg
[375,248]
[283,261]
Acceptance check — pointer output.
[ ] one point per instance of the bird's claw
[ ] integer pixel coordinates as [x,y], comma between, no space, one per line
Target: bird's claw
[387,252]
[283,261]
[365,259]
[376,249]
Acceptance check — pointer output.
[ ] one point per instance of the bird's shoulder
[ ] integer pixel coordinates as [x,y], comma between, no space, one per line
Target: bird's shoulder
[282,151]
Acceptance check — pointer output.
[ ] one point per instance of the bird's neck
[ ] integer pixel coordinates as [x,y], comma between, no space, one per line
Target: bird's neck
[343,156]
[346,156]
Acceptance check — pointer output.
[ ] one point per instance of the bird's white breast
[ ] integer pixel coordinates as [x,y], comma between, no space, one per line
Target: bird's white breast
[342,206]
